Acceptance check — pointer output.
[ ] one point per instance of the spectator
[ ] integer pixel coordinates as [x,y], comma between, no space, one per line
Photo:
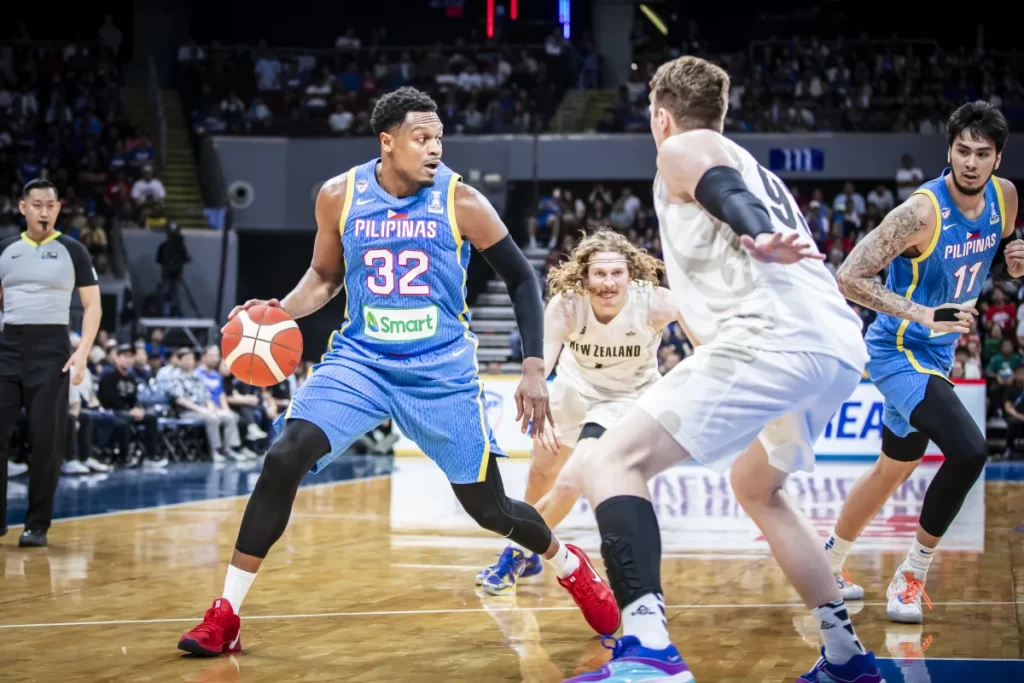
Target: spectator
[110,35]
[268,72]
[849,201]
[341,120]
[908,178]
[118,393]
[148,192]
[140,369]
[1013,412]
[1001,312]
[970,365]
[248,402]
[155,345]
[192,397]
[882,197]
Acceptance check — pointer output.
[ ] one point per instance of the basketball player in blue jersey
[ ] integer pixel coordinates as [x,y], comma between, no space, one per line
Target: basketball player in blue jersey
[939,245]
[393,232]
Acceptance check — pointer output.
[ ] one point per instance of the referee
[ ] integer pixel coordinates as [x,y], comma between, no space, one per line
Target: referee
[38,271]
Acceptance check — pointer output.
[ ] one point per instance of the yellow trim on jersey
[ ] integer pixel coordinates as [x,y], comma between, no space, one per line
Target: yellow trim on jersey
[350,186]
[454,225]
[48,238]
[1001,202]
[914,280]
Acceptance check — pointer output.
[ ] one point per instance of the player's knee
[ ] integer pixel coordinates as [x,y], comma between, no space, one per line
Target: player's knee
[300,445]
[567,486]
[750,489]
[491,513]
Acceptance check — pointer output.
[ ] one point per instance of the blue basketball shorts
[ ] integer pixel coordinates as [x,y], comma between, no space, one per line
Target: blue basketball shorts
[436,399]
[901,384]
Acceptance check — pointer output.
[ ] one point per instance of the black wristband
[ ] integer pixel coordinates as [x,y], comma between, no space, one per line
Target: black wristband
[523,285]
[723,194]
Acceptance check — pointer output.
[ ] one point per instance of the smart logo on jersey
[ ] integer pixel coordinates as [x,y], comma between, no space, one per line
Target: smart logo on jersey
[400,324]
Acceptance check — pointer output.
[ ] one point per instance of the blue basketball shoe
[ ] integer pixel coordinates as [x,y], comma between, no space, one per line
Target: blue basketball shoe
[632,663]
[860,669]
[533,567]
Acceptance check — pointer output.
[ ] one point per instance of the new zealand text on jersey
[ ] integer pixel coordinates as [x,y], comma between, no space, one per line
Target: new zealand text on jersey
[595,351]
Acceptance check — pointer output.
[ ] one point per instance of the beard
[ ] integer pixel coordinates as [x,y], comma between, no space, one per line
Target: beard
[969,191]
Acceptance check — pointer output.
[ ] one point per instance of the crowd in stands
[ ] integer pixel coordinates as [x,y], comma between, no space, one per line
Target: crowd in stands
[993,351]
[807,84]
[146,404]
[479,88]
[62,118]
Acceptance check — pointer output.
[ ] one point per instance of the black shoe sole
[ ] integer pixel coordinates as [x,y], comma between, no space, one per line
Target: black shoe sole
[31,544]
[193,647]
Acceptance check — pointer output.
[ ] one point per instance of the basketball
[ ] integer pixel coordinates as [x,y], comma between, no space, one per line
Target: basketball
[262,345]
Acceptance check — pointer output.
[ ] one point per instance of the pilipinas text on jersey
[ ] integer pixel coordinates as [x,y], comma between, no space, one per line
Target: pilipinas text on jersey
[951,270]
[405,266]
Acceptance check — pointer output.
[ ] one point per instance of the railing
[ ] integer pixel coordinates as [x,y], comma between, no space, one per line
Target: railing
[156,101]
[215,196]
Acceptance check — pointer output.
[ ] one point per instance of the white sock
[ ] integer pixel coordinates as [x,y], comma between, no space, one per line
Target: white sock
[919,558]
[837,549]
[645,619]
[236,585]
[564,563]
[841,643]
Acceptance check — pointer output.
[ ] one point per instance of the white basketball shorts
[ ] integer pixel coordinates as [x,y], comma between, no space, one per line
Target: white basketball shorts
[572,409]
[717,401]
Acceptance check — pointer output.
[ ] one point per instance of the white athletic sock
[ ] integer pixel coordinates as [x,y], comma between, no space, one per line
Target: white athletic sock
[919,558]
[837,549]
[841,643]
[564,563]
[236,585]
[645,619]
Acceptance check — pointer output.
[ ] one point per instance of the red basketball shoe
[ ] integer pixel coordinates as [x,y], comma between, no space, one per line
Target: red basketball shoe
[219,632]
[593,596]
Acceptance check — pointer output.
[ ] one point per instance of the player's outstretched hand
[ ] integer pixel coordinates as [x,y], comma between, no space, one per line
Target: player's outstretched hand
[949,318]
[532,397]
[778,247]
[1015,258]
[250,303]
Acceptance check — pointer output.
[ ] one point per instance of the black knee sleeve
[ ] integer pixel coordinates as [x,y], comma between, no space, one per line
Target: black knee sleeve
[487,503]
[909,448]
[944,419]
[630,546]
[300,445]
[591,430]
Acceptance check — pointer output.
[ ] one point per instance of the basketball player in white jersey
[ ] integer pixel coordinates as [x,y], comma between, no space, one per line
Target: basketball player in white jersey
[602,329]
[779,351]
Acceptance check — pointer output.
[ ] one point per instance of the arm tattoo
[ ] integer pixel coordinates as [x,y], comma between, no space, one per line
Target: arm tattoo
[881,246]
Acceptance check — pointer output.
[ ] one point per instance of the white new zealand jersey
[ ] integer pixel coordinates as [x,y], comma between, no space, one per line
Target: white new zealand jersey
[612,360]
[726,296]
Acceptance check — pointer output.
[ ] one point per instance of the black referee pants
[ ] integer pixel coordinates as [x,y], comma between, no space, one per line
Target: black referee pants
[32,358]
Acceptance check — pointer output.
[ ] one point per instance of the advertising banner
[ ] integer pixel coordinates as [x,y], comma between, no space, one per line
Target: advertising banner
[855,431]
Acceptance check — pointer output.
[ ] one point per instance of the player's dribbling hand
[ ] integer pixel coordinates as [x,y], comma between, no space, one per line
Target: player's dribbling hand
[249,304]
[532,397]
[1014,254]
[777,247]
[958,318]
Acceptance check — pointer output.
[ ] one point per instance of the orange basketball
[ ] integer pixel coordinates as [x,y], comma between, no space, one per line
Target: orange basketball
[262,345]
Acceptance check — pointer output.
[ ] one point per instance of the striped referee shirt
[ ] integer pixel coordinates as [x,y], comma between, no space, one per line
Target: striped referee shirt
[38,278]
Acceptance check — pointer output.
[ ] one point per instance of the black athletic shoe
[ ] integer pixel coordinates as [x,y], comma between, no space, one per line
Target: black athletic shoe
[32,539]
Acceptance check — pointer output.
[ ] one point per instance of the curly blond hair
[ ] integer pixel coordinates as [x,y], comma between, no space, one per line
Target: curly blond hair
[571,276]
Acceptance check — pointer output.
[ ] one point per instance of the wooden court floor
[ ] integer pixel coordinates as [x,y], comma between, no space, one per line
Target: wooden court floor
[373,581]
